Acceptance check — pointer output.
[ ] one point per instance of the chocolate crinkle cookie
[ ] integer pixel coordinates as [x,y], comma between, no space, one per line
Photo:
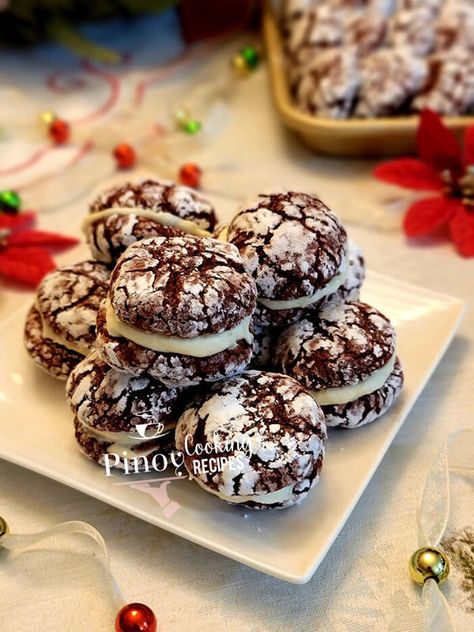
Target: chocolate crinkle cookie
[294,248]
[366,32]
[179,309]
[309,33]
[328,85]
[434,6]
[265,438]
[455,29]
[110,407]
[61,327]
[51,356]
[347,289]
[449,89]
[413,29]
[390,78]
[346,357]
[125,214]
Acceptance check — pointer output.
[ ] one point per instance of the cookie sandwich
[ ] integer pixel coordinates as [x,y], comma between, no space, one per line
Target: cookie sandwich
[121,420]
[60,327]
[125,214]
[296,250]
[346,357]
[179,309]
[256,440]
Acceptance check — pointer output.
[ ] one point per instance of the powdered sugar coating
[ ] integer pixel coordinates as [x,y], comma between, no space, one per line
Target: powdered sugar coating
[455,29]
[367,408]
[109,237]
[414,29]
[291,243]
[317,27]
[341,346]
[273,414]
[170,369]
[366,32]
[390,79]
[354,279]
[329,84]
[68,300]
[160,196]
[105,398]
[433,5]
[57,360]
[182,286]
[450,87]
[308,33]
[349,290]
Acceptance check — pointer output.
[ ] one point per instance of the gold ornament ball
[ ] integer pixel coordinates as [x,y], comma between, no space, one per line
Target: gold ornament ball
[429,563]
[47,117]
[240,65]
[3,527]
[181,116]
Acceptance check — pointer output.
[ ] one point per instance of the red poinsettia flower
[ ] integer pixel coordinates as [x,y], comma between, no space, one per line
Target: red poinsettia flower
[25,254]
[443,167]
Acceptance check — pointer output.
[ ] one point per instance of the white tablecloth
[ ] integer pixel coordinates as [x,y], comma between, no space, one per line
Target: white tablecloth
[362,584]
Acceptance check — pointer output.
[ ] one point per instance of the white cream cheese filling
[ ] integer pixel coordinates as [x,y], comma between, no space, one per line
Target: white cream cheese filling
[124,441]
[304,301]
[198,347]
[49,334]
[280,496]
[345,394]
[161,217]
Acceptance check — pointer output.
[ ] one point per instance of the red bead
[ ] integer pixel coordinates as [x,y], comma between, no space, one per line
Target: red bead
[125,156]
[136,617]
[190,175]
[59,131]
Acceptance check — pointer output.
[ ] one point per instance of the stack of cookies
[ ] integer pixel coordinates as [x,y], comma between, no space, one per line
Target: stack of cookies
[373,58]
[226,350]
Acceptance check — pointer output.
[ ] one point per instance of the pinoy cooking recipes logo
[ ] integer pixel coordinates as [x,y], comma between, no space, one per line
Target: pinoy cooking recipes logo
[209,457]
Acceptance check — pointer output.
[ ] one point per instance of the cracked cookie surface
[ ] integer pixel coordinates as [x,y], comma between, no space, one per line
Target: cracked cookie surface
[274,415]
[182,286]
[341,346]
[291,244]
[109,237]
[105,398]
[68,300]
[51,356]
[349,290]
[96,449]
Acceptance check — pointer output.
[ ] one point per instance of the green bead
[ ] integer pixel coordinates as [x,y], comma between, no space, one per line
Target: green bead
[192,126]
[251,56]
[10,201]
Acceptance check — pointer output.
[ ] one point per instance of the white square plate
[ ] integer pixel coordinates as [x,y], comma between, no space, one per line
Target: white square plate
[36,432]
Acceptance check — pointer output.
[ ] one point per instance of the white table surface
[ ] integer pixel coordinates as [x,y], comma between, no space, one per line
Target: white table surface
[362,584]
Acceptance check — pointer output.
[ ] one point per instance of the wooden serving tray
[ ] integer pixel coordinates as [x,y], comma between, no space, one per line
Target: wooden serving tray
[349,137]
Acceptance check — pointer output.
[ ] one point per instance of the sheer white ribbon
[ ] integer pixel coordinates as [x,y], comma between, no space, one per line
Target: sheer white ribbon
[433,514]
[13,541]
